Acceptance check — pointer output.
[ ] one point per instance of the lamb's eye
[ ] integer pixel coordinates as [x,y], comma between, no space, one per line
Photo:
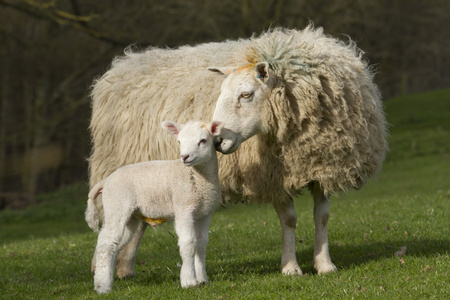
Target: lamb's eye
[202,141]
[246,95]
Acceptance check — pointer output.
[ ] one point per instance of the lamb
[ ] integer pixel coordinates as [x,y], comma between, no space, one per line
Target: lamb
[315,120]
[186,190]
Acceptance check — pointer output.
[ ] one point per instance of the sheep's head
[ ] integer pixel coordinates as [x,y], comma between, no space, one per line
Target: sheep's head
[196,140]
[240,106]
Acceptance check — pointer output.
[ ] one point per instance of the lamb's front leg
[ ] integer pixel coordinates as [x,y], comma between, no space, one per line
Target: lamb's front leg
[322,260]
[202,236]
[184,226]
[288,221]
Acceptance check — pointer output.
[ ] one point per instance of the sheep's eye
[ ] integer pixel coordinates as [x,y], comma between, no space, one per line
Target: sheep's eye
[246,95]
[202,141]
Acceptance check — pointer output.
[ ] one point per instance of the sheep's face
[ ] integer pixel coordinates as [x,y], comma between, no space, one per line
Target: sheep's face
[240,105]
[196,140]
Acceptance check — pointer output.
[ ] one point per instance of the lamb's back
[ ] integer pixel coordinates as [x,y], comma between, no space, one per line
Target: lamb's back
[150,186]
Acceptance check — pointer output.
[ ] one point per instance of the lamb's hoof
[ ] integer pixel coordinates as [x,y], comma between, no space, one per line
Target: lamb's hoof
[189,283]
[291,269]
[202,280]
[102,290]
[325,268]
[203,283]
[124,274]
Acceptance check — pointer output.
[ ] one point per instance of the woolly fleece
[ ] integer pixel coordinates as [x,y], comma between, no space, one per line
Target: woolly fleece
[325,124]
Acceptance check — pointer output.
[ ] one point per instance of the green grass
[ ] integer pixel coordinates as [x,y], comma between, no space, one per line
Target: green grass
[45,251]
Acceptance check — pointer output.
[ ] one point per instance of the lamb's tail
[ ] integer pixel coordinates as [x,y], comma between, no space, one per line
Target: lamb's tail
[92,214]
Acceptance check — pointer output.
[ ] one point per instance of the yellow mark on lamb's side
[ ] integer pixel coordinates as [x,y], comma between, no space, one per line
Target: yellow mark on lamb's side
[154,222]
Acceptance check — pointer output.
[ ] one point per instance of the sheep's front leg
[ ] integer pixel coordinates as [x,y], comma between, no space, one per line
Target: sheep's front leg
[288,220]
[322,260]
[184,226]
[127,256]
[202,237]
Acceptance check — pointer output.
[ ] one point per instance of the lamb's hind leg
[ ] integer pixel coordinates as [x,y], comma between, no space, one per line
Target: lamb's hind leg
[127,256]
[322,260]
[288,220]
[105,256]
[116,232]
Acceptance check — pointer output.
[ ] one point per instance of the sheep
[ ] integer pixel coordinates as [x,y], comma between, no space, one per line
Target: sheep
[156,191]
[320,121]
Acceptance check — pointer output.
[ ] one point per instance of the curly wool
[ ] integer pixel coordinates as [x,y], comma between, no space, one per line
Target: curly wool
[324,117]
[330,123]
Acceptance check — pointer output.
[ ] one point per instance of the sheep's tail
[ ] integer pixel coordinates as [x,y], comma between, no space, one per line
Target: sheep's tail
[92,214]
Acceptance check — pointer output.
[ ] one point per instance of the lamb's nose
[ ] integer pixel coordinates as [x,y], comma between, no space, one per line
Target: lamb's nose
[184,157]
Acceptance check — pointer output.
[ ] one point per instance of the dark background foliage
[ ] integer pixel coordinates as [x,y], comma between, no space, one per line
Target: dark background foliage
[51,50]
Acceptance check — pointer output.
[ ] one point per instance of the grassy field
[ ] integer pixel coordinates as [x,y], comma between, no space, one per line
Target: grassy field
[45,251]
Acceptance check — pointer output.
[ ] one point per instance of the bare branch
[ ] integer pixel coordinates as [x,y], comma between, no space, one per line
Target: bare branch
[49,12]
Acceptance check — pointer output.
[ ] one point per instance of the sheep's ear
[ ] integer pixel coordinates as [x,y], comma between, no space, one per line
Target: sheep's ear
[215,127]
[262,71]
[225,71]
[172,127]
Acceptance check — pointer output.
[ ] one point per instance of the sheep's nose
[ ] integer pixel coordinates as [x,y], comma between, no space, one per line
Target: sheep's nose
[218,143]
[184,157]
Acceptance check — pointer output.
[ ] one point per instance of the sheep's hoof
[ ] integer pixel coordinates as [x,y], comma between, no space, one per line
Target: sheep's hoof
[325,268]
[291,269]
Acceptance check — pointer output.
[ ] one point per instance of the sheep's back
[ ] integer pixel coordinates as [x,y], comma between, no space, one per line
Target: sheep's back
[141,90]
[333,110]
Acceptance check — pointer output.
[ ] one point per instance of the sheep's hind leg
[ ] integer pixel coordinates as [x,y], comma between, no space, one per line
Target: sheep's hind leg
[322,260]
[202,236]
[184,226]
[288,221]
[127,255]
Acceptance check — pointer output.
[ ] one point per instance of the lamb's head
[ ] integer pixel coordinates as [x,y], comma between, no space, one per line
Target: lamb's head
[241,104]
[196,140]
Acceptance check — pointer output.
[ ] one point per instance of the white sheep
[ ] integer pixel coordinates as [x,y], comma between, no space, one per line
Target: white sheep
[313,119]
[155,191]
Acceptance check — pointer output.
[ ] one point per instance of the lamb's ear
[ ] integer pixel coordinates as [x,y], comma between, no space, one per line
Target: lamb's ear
[225,71]
[172,127]
[215,127]
[262,71]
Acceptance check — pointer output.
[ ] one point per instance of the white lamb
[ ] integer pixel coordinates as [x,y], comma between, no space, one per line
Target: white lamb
[156,191]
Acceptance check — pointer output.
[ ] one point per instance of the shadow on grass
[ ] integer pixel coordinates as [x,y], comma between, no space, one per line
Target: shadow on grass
[71,266]
[344,257]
